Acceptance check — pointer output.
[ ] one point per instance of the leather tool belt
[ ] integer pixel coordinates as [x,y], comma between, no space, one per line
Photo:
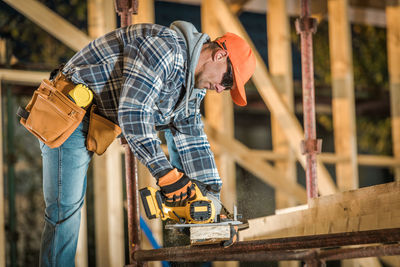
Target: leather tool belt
[52,117]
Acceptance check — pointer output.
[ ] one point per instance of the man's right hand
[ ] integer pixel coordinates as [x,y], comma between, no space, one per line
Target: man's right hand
[176,186]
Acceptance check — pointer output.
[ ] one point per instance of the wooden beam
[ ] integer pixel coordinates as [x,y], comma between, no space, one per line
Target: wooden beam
[101,17]
[23,77]
[393,48]
[280,63]
[263,170]
[377,160]
[146,12]
[107,169]
[331,158]
[343,103]
[109,226]
[368,208]
[271,97]
[51,22]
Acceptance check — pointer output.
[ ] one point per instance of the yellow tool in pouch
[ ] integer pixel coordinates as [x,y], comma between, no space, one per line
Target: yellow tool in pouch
[50,115]
[81,95]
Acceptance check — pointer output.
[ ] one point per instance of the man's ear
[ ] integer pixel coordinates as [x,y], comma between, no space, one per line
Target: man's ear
[219,54]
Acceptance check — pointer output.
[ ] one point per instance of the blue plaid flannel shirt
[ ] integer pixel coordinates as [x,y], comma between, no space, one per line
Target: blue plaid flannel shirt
[137,74]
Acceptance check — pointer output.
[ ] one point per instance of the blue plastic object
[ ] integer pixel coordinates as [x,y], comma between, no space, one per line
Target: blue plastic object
[150,237]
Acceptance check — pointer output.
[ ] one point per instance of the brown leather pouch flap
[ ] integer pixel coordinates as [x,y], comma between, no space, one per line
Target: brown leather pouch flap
[101,134]
[52,116]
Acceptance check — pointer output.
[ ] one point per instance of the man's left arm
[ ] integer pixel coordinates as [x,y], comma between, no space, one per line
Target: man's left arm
[195,152]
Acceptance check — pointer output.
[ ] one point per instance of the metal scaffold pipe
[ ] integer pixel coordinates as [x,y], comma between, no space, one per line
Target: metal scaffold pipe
[306,248]
[125,9]
[306,26]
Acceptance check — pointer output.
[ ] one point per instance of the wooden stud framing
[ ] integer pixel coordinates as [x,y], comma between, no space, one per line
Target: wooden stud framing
[343,102]
[51,22]
[271,97]
[280,67]
[393,46]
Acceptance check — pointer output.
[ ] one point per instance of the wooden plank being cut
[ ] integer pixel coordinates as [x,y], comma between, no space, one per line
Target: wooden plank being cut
[203,235]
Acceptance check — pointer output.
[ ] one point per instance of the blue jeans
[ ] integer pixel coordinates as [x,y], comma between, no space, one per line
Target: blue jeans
[64,188]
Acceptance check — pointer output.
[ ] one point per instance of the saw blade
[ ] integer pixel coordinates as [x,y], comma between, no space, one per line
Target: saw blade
[185,225]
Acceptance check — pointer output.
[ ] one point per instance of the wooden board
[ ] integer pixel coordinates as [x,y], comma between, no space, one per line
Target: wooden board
[369,208]
[51,22]
[209,234]
[343,103]
[280,66]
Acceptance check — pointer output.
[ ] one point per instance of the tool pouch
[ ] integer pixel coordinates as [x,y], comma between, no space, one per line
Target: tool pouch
[101,134]
[50,115]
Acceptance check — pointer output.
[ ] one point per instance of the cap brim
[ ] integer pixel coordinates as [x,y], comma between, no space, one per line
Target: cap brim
[238,93]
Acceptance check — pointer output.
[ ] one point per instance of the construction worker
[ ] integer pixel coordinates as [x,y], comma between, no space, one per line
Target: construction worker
[144,78]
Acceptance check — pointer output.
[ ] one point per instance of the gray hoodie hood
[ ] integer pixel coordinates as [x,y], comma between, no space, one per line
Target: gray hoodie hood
[194,41]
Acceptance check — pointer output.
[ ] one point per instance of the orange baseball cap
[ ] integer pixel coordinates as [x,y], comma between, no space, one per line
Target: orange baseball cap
[243,63]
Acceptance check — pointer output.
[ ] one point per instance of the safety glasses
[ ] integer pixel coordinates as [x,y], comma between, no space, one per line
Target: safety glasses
[227,79]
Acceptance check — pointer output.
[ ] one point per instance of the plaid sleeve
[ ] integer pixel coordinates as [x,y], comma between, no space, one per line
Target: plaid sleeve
[147,64]
[195,153]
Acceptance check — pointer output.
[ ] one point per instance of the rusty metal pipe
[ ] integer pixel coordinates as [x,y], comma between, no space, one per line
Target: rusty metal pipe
[132,197]
[261,247]
[360,252]
[125,9]
[306,26]
[312,257]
